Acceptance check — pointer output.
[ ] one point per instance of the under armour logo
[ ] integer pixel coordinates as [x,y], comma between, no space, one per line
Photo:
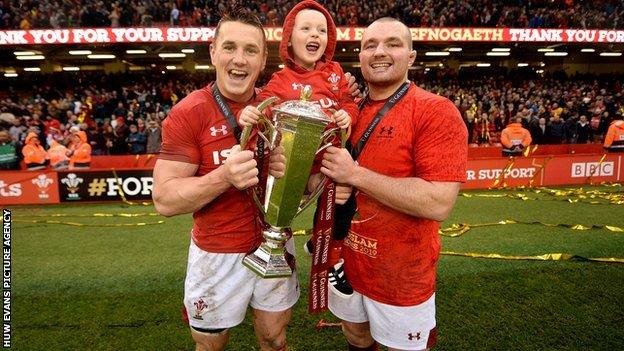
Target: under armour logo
[222,130]
[386,130]
[411,336]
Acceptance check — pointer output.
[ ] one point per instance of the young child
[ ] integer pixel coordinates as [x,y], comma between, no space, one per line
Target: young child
[307,49]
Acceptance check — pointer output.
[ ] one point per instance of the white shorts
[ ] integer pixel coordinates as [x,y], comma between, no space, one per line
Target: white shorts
[218,289]
[399,327]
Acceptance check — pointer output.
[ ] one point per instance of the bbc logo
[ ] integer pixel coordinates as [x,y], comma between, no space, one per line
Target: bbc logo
[589,169]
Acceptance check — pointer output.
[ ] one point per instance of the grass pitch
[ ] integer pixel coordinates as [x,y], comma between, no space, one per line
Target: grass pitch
[120,288]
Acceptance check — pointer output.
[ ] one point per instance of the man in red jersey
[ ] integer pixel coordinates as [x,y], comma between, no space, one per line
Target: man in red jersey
[407,175]
[202,169]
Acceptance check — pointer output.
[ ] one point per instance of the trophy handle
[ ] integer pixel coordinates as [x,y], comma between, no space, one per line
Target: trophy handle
[313,196]
[265,122]
[268,128]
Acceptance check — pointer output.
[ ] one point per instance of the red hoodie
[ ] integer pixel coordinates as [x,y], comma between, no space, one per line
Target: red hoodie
[329,86]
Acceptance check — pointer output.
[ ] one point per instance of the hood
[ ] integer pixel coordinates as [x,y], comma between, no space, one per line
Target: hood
[619,124]
[289,23]
[54,123]
[31,138]
[82,136]
[515,125]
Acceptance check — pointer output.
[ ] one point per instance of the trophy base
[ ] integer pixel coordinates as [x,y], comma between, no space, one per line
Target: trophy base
[268,263]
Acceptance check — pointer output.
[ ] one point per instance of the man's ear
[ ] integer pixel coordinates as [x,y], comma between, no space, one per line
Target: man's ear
[212,50]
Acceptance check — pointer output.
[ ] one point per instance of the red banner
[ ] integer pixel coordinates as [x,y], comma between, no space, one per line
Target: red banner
[558,149]
[25,187]
[42,187]
[544,171]
[123,161]
[205,34]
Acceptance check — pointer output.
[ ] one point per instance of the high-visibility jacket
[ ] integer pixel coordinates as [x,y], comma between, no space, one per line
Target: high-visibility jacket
[614,140]
[82,152]
[35,155]
[58,155]
[515,135]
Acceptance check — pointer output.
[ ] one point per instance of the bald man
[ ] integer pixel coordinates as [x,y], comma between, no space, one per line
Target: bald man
[411,155]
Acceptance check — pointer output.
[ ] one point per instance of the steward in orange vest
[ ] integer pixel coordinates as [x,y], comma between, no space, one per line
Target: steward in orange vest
[58,156]
[515,138]
[614,140]
[81,151]
[35,155]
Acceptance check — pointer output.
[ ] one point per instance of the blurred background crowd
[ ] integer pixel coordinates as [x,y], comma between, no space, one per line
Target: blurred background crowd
[30,14]
[122,114]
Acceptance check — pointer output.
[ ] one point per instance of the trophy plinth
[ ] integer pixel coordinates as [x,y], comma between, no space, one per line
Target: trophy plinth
[268,261]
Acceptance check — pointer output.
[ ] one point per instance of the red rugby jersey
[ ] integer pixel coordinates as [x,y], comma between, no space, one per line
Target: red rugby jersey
[389,256]
[196,132]
[329,87]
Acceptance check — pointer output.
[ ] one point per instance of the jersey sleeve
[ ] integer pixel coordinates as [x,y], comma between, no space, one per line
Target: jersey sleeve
[180,140]
[440,149]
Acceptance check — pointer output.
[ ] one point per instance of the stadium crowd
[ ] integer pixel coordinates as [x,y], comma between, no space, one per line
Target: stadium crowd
[555,109]
[121,114]
[30,14]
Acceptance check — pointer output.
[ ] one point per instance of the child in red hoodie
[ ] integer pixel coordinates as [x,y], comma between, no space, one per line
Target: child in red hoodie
[307,49]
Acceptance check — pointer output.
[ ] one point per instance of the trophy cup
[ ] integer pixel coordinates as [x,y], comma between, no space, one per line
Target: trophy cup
[299,126]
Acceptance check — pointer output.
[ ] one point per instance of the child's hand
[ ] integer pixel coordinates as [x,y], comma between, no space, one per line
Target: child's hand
[249,116]
[342,119]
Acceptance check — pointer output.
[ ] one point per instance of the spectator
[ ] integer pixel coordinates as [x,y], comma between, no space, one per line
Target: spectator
[570,129]
[120,111]
[515,138]
[556,111]
[583,131]
[140,125]
[58,156]
[35,156]
[485,131]
[557,133]
[9,152]
[80,151]
[470,125]
[97,140]
[114,17]
[154,137]
[119,143]
[540,132]
[175,16]
[136,140]
[614,141]
[17,129]
[596,124]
